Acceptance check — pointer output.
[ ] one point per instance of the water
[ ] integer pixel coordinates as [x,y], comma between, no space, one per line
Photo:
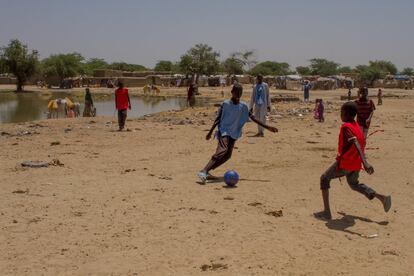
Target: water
[15,108]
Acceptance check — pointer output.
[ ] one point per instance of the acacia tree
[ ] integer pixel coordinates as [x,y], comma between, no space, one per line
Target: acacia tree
[163,65]
[408,71]
[369,74]
[233,66]
[18,60]
[303,70]
[323,67]
[200,59]
[271,68]
[63,66]
[385,66]
[94,64]
[248,58]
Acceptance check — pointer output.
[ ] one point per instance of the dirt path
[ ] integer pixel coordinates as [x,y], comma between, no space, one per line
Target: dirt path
[126,203]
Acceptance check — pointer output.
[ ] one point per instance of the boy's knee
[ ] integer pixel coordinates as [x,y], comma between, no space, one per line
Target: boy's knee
[325,182]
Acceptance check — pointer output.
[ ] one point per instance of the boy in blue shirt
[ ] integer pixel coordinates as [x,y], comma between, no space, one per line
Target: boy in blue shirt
[232,116]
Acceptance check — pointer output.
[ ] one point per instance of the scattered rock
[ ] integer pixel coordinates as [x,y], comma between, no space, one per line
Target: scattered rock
[56,162]
[229,198]
[390,252]
[278,213]
[21,191]
[254,204]
[56,143]
[35,164]
[213,266]
[165,177]
[36,125]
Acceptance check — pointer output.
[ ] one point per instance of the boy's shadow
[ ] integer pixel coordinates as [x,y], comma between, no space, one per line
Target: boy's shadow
[346,221]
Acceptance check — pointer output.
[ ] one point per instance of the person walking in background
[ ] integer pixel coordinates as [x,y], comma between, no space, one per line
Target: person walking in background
[89,109]
[260,103]
[306,89]
[191,95]
[379,95]
[122,103]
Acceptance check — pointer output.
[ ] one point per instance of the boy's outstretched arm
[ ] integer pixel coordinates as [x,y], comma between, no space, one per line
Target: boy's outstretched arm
[269,128]
[368,168]
[215,124]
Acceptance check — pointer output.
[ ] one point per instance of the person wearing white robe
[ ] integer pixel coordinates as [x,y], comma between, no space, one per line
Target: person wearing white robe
[260,102]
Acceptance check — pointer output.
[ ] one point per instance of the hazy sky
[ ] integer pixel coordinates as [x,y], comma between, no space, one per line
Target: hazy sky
[350,32]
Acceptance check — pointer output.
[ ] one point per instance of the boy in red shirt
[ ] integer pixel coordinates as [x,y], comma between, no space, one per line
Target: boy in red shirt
[348,162]
[365,110]
[122,103]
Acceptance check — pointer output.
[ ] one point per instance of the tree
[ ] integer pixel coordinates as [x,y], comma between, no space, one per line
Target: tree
[63,66]
[3,68]
[200,59]
[233,66]
[123,66]
[248,58]
[385,66]
[323,67]
[303,70]
[344,69]
[408,71]
[164,65]
[94,64]
[271,68]
[17,60]
[369,73]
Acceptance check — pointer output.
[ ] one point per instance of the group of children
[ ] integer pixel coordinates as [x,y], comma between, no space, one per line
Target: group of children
[233,114]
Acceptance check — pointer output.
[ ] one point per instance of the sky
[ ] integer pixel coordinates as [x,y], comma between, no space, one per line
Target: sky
[349,32]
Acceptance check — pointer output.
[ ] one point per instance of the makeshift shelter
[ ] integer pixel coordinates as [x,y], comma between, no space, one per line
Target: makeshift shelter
[324,84]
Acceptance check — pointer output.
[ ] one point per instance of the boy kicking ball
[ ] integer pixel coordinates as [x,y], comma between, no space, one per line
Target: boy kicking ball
[348,162]
[232,116]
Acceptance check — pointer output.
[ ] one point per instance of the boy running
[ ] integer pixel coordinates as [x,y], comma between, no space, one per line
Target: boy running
[232,116]
[348,162]
[122,103]
[365,110]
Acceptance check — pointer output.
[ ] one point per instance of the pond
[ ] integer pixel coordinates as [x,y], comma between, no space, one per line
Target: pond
[16,108]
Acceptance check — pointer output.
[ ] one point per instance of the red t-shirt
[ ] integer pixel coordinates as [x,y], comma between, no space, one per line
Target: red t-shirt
[365,108]
[348,157]
[121,98]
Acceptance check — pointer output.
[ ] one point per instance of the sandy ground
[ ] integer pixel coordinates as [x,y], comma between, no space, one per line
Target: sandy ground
[128,203]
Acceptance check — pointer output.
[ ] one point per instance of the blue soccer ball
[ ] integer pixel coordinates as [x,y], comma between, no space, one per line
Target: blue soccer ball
[231,178]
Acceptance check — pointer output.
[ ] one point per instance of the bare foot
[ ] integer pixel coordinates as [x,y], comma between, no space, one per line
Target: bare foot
[259,135]
[323,215]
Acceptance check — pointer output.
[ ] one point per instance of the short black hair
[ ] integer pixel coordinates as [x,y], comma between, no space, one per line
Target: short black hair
[237,88]
[350,109]
[120,84]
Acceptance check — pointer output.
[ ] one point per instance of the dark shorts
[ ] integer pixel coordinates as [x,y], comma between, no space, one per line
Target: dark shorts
[352,177]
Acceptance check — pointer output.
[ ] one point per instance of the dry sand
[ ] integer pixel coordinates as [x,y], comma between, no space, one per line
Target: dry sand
[128,203]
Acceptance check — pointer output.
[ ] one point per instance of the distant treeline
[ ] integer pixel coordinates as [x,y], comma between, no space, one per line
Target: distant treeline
[17,59]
